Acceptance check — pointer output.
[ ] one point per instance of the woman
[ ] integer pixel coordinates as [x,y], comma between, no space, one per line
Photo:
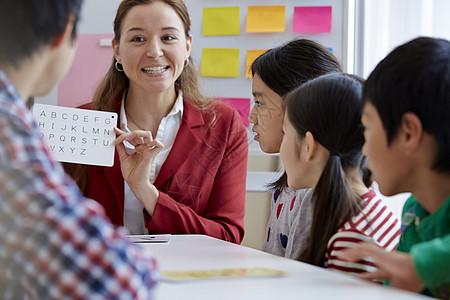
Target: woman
[275,73]
[195,183]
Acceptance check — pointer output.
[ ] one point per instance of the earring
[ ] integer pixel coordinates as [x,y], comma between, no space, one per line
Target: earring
[186,62]
[117,66]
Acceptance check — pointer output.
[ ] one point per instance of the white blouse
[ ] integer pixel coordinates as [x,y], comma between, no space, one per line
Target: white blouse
[133,217]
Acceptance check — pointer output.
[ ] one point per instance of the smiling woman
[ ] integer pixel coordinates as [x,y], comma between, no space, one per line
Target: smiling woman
[152,49]
[152,85]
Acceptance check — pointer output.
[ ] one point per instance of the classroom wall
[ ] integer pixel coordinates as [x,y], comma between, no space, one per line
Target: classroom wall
[97,17]
[258,199]
[383,25]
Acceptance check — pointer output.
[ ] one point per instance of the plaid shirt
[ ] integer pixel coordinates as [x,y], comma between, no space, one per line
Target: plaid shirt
[54,243]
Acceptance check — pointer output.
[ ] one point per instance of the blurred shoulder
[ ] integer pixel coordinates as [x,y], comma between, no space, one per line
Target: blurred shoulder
[85,106]
[223,110]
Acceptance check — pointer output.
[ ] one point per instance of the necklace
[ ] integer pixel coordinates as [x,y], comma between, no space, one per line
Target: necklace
[129,118]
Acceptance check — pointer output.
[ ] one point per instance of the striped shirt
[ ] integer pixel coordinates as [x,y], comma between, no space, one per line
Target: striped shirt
[54,243]
[375,223]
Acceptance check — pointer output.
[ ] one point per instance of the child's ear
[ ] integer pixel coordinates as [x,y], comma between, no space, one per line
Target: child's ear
[411,132]
[66,33]
[311,146]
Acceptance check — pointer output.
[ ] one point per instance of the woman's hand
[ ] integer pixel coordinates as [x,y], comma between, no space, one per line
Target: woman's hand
[136,167]
[398,267]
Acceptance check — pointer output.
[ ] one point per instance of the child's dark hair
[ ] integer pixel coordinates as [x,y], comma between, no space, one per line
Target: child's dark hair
[290,65]
[415,77]
[330,108]
[27,25]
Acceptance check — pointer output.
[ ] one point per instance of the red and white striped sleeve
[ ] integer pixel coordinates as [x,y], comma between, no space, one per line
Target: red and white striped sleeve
[340,241]
[375,223]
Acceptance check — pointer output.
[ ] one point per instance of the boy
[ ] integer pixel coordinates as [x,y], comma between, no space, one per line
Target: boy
[53,242]
[407,130]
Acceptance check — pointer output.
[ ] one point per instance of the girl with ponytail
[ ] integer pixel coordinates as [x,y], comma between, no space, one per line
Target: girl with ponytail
[321,149]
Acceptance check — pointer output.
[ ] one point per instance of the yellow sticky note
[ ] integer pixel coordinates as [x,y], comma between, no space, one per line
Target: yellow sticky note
[219,62]
[266,18]
[251,56]
[221,21]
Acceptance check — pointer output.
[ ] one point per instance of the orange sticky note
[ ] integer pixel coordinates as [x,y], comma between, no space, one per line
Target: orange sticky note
[221,21]
[266,18]
[219,62]
[251,56]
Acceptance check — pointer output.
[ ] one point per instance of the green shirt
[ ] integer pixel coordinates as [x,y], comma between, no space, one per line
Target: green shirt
[427,238]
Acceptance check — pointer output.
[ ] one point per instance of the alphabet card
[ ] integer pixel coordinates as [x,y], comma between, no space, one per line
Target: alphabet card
[77,135]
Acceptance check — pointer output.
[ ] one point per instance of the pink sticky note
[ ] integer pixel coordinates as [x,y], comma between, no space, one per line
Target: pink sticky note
[312,19]
[242,105]
[89,66]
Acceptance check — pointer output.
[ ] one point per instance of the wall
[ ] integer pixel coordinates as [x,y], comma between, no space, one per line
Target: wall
[383,24]
[97,17]
[257,207]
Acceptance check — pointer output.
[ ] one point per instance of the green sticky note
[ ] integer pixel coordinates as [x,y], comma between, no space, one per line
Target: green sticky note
[219,62]
[221,21]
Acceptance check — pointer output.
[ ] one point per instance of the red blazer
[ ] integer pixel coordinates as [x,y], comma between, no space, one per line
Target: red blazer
[201,184]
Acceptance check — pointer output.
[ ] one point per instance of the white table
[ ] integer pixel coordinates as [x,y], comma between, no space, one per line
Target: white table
[197,252]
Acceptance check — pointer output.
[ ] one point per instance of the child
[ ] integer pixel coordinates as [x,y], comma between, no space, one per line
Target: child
[54,243]
[275,73]
[321,149]
[407,129]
